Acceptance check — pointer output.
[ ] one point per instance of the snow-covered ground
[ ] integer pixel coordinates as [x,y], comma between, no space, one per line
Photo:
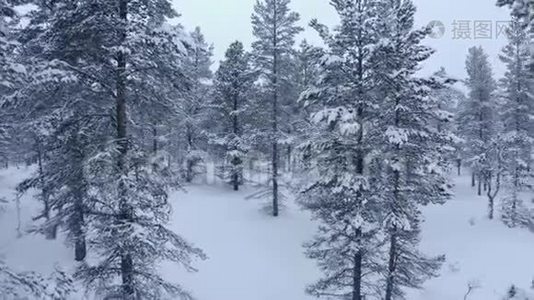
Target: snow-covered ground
[255,257]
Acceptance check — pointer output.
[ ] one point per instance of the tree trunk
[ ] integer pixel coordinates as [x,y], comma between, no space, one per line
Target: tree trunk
[392,263]
[491,205]
[235,181]
[275,116]
[127,276]
[492,193]
[391,266]
[473,179]
[189,162]
[236,163]
[480,185]
[275,179]
[189,171]
[357,277]
[459,166]
[155,139]
[50,231]
[360,161]
[80,249]
[125,216]
[515,195]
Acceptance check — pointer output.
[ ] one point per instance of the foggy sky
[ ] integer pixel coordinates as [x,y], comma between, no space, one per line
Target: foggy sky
[224,21]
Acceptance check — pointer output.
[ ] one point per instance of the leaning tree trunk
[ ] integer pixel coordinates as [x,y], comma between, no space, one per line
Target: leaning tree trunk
[493,191]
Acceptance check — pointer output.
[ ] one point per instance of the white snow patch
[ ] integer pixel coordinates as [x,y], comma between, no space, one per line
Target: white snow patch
[253,256]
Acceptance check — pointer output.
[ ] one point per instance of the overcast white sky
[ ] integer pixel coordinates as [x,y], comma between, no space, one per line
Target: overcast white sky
[224,21]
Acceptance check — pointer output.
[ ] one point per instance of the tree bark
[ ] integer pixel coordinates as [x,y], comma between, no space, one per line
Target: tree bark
[392,263]
[480,179]
[275,179]
[493,191]
[155,139]
[357,277]
[189,162]
[80,248]
[235,180]
[390,281]
[491,205]
[289,158]
[275,115]
[50,231]
[358,259]
[235,161]
[126,266]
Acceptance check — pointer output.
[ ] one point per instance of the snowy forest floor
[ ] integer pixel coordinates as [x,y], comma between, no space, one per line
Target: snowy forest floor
[255,257]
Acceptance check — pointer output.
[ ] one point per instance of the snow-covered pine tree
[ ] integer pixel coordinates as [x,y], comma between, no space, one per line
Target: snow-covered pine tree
[39,134]
[64,141]
[413,166]
[476,119]
[341,194]
[275,28]
[199,74]
[124,61]
[516,114]
[13,284]
[66,111]
[308,61]
[132,238]
[447,99]
[30,285]
[523,11]
[233,82]
[519,7]
[11,71]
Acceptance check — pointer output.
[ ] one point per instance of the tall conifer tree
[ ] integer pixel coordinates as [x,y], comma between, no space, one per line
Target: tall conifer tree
[275,28]
[233,84]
